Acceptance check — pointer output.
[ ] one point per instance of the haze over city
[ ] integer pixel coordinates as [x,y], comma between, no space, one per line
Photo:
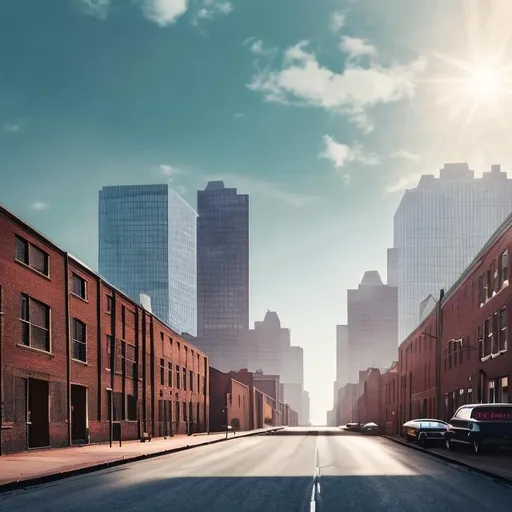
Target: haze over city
[323,112]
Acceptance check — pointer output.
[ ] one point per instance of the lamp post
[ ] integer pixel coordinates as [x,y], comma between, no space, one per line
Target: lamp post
[110,417]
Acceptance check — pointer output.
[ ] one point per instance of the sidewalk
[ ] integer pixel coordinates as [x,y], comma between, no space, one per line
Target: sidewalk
[496,465]
[40,466]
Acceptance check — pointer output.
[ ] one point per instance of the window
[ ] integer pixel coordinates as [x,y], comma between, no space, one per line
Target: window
[488,337]
[503,330]
[32,256]
[481,290]
[493,283]
[496,332]
[162,372]
[35,324]
[178,377]
[184,379]
[169,374]
[191,378]
[110,303]
[481,341]
[504,269]
[130,361]
[79,287]
[79,347]
[184,412]
[109,350]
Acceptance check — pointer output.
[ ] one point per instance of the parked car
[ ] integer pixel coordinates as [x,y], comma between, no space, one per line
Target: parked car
[371,429]
[480,424]
[355,427]
[425,431]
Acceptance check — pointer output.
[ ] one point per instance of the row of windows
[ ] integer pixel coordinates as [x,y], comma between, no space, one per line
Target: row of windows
[184,378]
[492,335]
[494,280]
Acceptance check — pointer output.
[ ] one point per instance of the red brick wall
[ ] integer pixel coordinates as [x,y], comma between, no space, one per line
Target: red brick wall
[134,327]
[239,404]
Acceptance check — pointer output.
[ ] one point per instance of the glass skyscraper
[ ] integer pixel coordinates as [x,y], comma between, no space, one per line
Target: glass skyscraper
[439,227]
[223,275]
[147,244]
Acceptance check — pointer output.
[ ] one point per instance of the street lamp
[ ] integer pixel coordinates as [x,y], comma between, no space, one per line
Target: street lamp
[110,417]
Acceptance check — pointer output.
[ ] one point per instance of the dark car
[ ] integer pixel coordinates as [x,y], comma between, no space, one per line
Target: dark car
[356,427]
[480,424]
[425,431]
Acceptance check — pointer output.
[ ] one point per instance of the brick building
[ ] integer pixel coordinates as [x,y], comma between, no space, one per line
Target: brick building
[459,353]
[230,402]
[62,330]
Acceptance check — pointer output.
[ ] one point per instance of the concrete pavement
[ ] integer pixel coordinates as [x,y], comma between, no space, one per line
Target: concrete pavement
[40,466]
[275,473]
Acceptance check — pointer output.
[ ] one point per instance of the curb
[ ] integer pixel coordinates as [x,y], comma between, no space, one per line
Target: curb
[54,477]
[489,474]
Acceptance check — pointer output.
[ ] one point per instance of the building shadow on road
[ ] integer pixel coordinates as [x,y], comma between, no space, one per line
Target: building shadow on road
[124,489]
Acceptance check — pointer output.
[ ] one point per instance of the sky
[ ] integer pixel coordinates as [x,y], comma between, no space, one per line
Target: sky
[323,111]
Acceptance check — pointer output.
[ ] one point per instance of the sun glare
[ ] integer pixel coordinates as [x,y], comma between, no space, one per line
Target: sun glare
[484,84]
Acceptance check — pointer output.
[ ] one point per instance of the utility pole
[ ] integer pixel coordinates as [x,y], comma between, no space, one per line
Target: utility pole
[439,353]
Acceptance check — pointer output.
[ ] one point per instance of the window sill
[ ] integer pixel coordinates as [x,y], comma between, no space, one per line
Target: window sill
[73,294]
[79,361]
[504,286]
[33,349]
[23,264]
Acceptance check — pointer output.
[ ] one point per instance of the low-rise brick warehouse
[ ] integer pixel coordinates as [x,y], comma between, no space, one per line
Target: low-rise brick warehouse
[62,330]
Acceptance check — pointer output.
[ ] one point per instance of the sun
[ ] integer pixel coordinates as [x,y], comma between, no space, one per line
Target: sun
[484,84]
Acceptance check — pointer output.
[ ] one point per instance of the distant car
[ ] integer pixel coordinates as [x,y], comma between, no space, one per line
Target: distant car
[425,431]
[370,429]
[480,424]
[356,427]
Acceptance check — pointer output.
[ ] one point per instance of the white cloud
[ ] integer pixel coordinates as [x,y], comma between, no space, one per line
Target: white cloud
[97,8]
[212,9]
[257,46]
[39,206]
[267,189]
[302,81]
[402,183]
[404,154]
[356,47]
[12,127]
[239,115]
[163,12]
[341,154]
[168,171]
[337,21]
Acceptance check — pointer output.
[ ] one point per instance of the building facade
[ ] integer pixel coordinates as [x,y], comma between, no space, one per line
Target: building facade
[372,325]
[438,229]
[80,361]
[460,352]
[147,245]
[223,275]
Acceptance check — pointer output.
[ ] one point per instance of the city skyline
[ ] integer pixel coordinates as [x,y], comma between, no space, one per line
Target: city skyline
[324,120]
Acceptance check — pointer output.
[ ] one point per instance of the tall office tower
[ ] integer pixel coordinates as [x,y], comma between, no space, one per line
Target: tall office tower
[147,245]
[439,227]
[342,362]
[372,321]
[223,275]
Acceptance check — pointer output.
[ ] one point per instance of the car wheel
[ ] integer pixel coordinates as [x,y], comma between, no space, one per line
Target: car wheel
[449,444]
[476,446]
[422,440]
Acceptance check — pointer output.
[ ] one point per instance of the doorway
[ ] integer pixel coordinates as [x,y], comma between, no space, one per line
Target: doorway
[78,414]
[38,417]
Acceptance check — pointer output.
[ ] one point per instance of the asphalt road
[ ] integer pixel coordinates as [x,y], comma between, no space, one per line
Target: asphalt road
[275,474]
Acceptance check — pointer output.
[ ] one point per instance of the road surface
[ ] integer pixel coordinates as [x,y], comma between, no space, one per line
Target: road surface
[275,473]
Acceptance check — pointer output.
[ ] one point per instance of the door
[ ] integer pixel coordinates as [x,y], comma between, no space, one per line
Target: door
[38,417]
[79,414]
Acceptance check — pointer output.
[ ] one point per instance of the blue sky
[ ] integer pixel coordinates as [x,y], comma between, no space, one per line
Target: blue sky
[324,111]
